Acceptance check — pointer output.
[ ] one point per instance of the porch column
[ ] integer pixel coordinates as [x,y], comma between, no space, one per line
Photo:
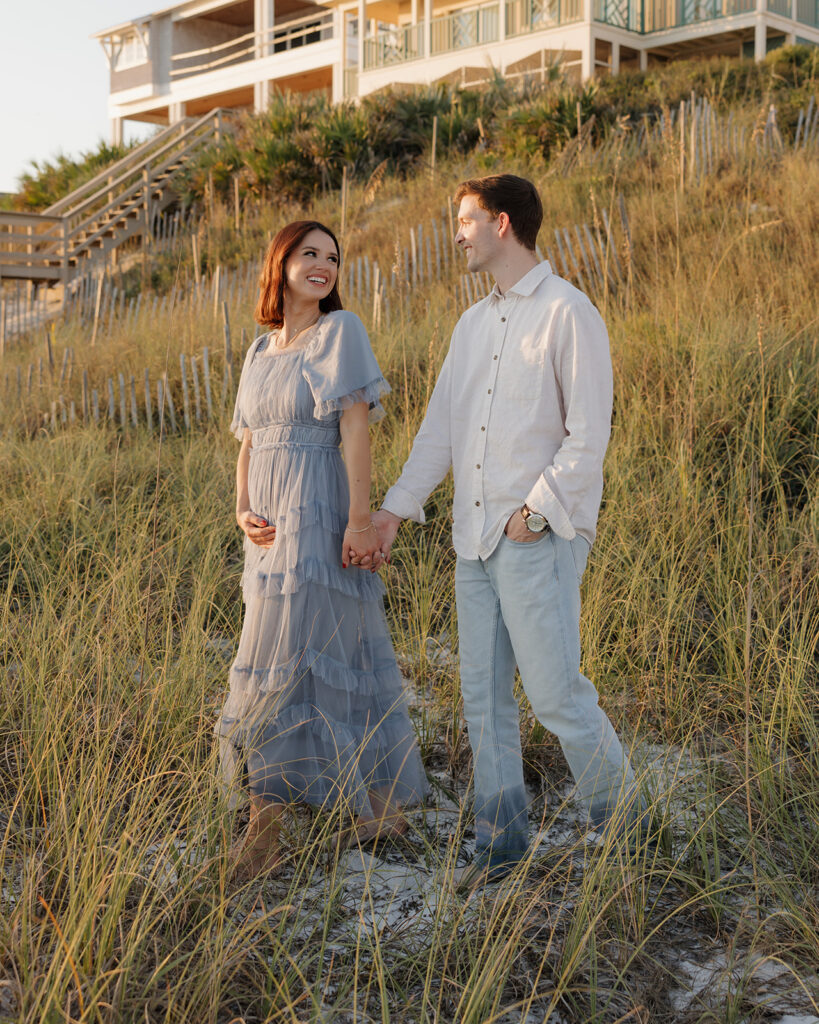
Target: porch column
[263,20]
[760,32]
[176,113]
[615,58]
[116,131]
[261,96]
[644,60]
[340,67]
[760,39]
[587,60]
[362,32]
[427,28]
[502,27]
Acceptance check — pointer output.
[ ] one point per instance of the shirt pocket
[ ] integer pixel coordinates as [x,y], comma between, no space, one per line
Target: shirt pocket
[522,372]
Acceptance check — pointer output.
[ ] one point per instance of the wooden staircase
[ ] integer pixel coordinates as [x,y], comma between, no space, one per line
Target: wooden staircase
[119,204]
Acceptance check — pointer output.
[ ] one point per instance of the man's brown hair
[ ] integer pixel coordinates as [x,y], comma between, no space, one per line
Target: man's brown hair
[507,193]
[270,307]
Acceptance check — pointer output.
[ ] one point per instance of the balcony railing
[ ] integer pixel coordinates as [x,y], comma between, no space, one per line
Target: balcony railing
[471,27]
[394,46]
[287,36]
[524,16]
[464,28]
[478,25]
[662,15]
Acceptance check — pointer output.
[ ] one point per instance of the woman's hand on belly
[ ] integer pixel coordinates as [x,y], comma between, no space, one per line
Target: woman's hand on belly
[256,528]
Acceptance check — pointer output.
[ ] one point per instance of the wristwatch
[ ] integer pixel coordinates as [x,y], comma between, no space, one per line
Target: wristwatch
[534,520]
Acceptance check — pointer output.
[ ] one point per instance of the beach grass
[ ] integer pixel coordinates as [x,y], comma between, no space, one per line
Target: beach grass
[120,610]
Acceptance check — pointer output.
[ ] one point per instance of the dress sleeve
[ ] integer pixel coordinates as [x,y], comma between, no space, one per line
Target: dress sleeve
[239,421]
[341,369]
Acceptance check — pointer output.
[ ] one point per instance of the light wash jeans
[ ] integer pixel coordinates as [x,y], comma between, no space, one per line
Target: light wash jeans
[522,606]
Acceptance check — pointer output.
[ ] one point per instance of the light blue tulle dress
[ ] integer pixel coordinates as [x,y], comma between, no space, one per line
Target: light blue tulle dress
[317,709]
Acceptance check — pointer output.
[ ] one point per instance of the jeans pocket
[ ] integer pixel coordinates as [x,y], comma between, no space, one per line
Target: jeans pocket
[526,543]
[580,553]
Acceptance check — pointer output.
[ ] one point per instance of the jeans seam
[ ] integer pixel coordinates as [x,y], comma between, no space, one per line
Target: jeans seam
[492,684]
[562,613]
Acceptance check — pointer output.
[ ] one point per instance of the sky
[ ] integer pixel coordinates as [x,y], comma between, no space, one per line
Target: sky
[54,79]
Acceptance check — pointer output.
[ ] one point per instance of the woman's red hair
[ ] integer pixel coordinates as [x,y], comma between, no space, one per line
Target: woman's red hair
[270,307]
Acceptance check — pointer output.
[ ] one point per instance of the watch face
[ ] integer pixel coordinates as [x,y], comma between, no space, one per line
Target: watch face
[536,522]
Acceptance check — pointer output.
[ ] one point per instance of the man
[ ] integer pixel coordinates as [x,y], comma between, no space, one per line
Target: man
[521,411]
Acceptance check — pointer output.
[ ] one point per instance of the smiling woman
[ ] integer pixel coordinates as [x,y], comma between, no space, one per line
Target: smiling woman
[316,711]
[302,262]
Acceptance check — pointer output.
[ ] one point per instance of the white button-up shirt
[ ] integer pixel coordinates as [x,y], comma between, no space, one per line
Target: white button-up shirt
[521,411]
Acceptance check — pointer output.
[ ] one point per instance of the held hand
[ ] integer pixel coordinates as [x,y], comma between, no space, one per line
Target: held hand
[517,530]
[361,547]
[387,524]
[256,528]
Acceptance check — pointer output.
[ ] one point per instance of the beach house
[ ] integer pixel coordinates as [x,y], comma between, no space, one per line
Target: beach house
[188,58]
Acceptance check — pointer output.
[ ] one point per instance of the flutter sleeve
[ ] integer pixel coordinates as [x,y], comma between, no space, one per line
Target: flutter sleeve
[240,411]
[341,369]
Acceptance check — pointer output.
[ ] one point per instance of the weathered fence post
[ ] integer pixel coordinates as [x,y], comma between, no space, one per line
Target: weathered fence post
[148,413]
[227,377]
[206,374]
[186,408]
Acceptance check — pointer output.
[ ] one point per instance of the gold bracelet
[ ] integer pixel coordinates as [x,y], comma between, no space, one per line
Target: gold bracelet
[364,530]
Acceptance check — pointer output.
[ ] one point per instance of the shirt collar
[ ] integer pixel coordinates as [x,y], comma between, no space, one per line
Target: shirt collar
[527,284]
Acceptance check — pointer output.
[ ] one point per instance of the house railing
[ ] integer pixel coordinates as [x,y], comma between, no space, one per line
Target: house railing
[33,244]
[314,28]
[662,15]
[807,12]
[524,16]
[469,27]
[394,46]
[478,25]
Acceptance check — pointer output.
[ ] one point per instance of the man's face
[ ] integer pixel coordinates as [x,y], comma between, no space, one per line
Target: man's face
[477,234]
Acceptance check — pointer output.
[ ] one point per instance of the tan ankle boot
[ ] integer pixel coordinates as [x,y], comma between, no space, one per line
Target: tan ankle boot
[258,852]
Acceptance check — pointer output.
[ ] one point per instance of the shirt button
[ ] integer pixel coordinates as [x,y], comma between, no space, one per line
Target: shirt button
[483,428]
[477,503]
[478,466]
[503,319]
[489,392]
[494,357]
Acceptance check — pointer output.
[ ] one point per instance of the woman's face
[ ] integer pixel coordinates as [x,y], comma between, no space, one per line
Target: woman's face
[312,268]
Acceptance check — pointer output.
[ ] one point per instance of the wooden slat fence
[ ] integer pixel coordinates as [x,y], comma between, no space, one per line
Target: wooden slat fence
[204,385]
[595,255]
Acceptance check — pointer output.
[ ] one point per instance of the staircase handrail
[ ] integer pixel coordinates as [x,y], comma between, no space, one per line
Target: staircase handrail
[136,186]
[161,168]
[135,155]
[139,180]
[137,169]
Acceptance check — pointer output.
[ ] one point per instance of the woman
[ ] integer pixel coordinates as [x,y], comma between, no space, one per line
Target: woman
[316,711]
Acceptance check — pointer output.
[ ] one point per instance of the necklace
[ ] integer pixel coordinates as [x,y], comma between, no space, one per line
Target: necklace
[296,333]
